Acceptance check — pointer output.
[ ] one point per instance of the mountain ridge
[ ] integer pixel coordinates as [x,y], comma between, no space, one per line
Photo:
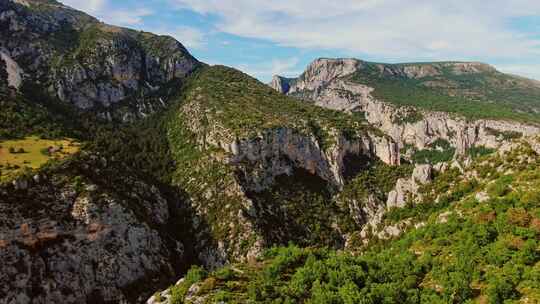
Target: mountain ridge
[415,121]
[184,165]
[442,84]
[108,66]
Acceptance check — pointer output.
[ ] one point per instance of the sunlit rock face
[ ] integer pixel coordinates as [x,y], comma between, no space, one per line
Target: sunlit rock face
[81,61]
[326,83]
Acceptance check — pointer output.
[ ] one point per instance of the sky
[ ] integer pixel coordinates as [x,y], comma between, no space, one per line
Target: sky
[268,37]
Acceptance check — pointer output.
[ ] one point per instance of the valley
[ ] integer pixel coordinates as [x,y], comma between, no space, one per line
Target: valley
[132,172]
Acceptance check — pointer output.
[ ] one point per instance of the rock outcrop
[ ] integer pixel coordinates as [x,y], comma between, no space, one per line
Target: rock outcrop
[14,72]
[278,151]
[84,62]
[408,188]
[319,73]
[281,84]
[275,151]
[76,238]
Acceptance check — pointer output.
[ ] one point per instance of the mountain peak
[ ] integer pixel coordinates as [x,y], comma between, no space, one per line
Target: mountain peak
[324,70]
[88,63]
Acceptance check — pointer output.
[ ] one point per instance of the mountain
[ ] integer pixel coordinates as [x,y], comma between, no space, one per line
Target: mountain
[476,241]
[127,164]
[239,146]
[470,89]
[91,65]
[98,222]
[465,104]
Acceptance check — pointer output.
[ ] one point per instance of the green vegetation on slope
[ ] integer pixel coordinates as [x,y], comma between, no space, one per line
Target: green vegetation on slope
[245,106]
[476,251]
[487,94]
[142,145]
[377,178]
[224,101]
[299,208]
[20,118]
[436,152]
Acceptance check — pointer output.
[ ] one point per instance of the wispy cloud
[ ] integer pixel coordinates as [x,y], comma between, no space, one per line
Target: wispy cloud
[126,17]
[188,36]
[414,29]
[383,30]
[266,69]
[89,6]
[102,9]
[527,70]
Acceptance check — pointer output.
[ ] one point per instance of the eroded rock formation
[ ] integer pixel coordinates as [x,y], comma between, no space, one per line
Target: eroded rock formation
[84,62]
[326,83]
[87,238]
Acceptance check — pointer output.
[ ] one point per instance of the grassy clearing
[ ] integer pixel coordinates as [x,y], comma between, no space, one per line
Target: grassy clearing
[32,152]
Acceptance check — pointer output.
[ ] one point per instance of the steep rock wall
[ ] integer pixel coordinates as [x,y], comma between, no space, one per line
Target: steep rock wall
[81,61]
[325,83]
[66,239]
[225,170]
[277,151]
[14,72]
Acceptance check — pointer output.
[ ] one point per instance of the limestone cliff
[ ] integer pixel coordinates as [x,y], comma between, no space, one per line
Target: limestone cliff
[80,233]
[14,72]
[237,143]
[328,83]
[81,61]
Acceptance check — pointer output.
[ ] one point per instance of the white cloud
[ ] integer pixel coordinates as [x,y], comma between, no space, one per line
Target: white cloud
[285,67]
[526,70]
[265,70]
[125,17]
[88,6]
[103,10]
[392,29]
[189,36]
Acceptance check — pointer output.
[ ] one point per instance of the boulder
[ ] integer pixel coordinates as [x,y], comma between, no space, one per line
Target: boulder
[422,173]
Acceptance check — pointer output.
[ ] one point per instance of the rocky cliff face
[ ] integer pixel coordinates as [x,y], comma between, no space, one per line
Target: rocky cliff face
[81,61]
[281,84]
[277,152]
[13,72]
[327,83]
[3,77]
[321,72]
[238,147]
[252,165]
[78,233]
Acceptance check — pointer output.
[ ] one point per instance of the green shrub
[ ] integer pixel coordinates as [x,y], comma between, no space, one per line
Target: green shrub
[500,187]
[429,156]
[194,275]
[225,273]
[480,151]
[505,135]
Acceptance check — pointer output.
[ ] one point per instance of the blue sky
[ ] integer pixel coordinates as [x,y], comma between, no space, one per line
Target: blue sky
[267,37]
